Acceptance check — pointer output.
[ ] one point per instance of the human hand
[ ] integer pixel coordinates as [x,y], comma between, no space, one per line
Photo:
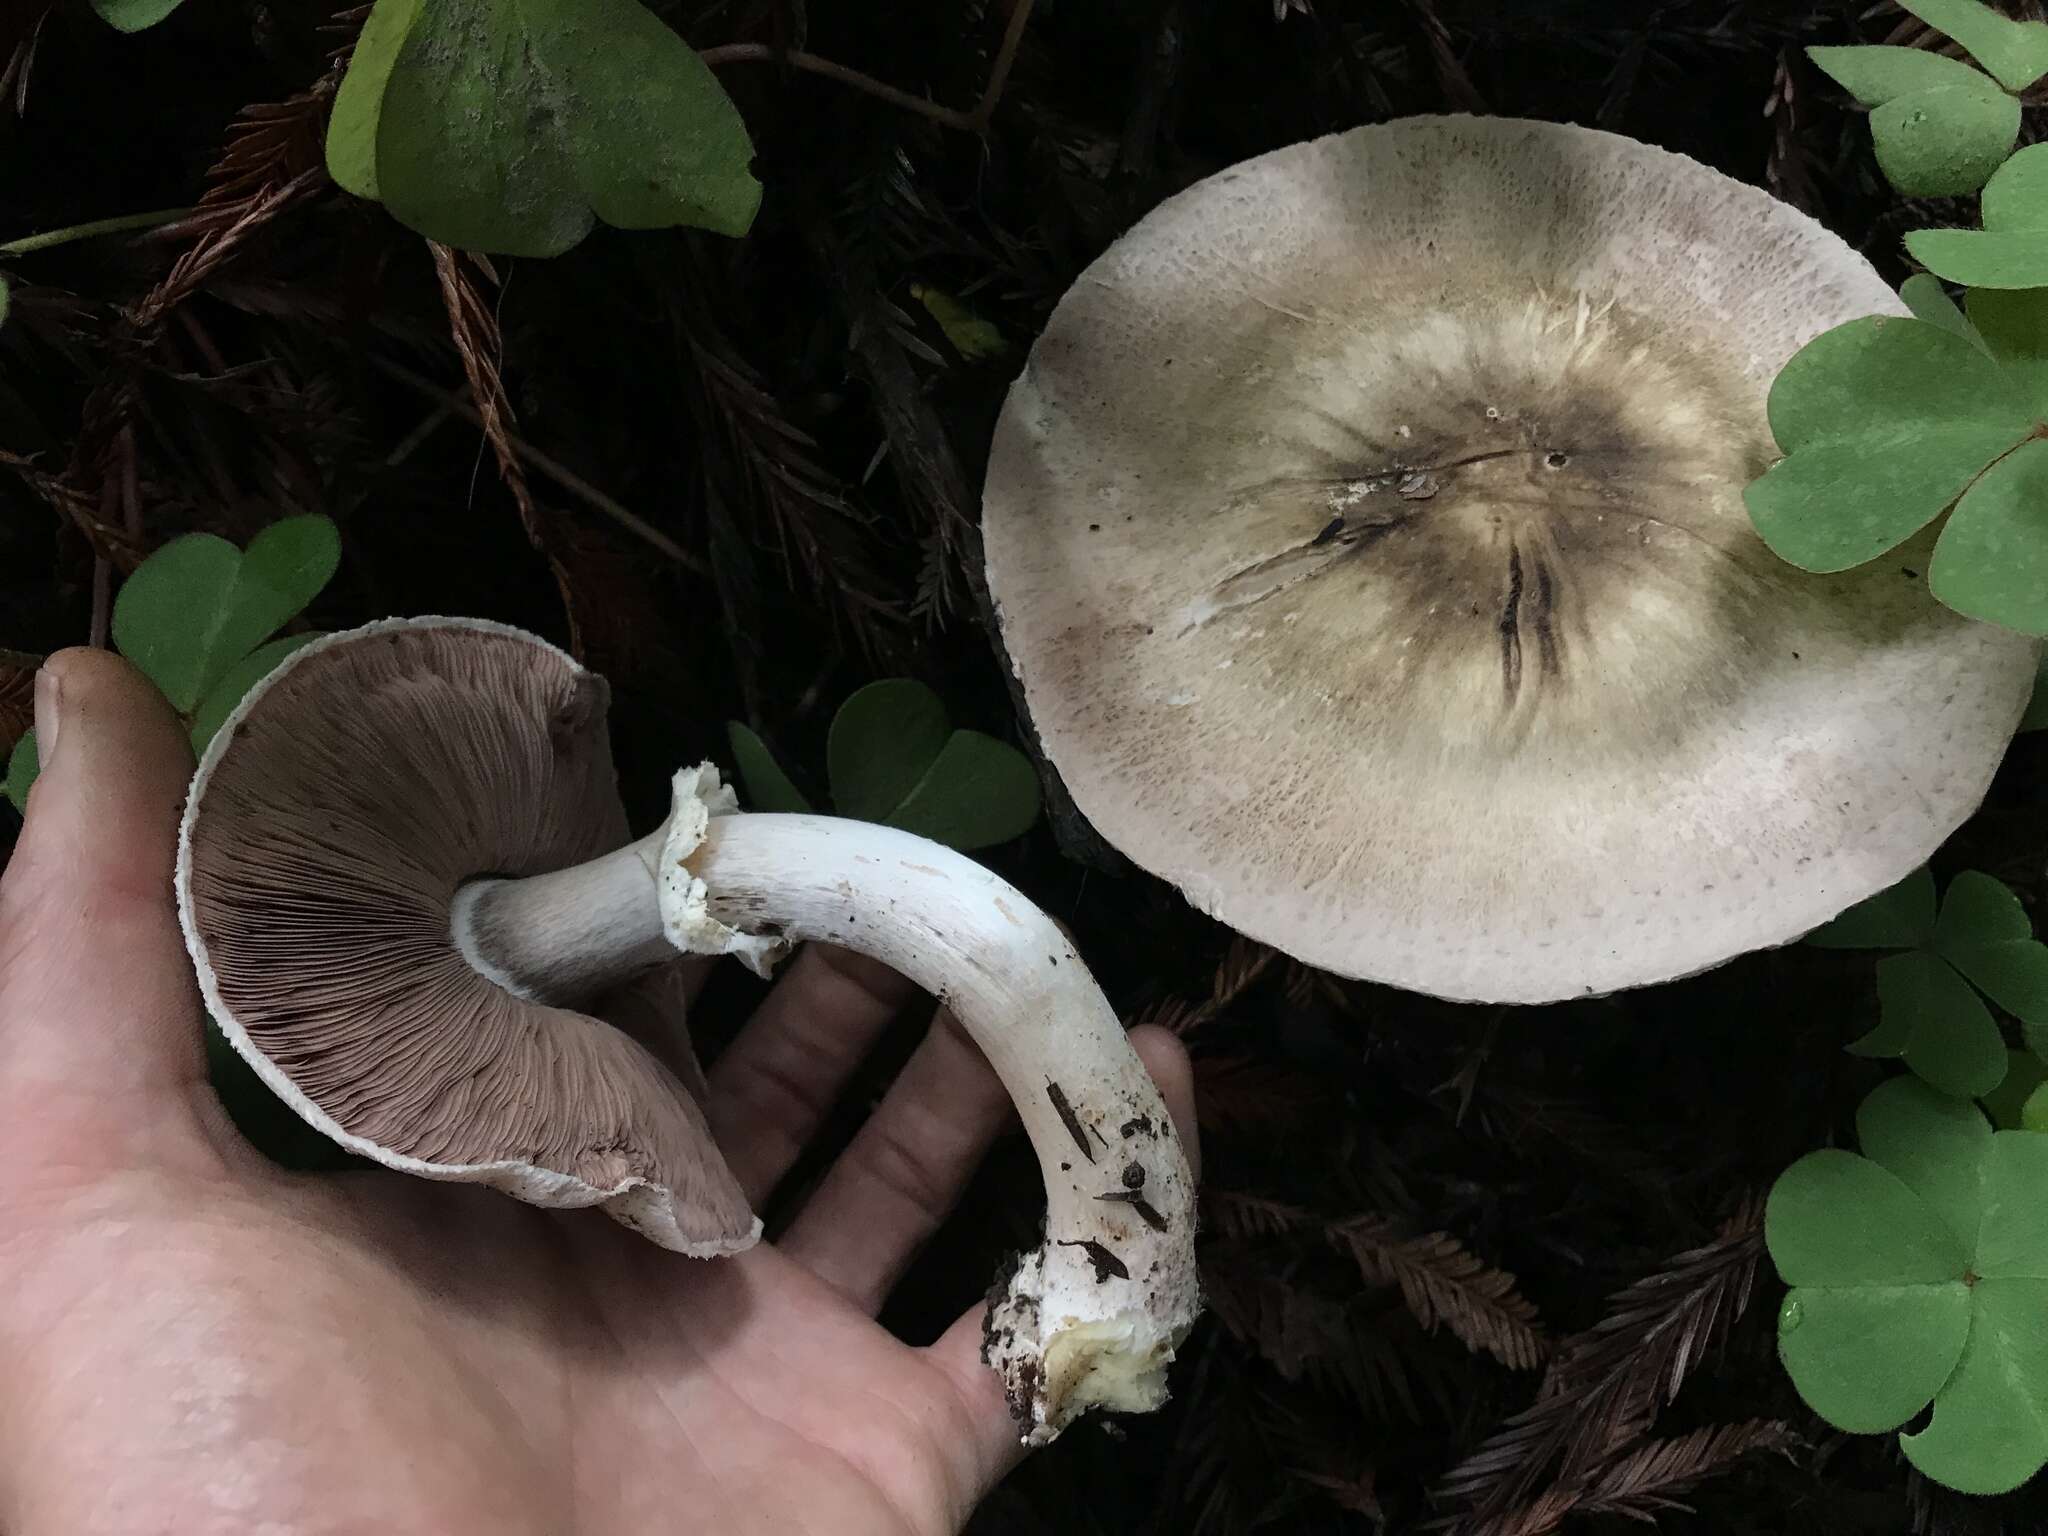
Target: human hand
[195,1341]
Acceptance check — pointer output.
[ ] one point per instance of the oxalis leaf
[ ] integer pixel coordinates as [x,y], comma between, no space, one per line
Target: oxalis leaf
[2012,1104]
[884,739]
[2011,250]
[893,756]
[1930,1013]
[134,15]
[2016,52]
[21,772]
[768,787]
[511,126]
[1939,126]
[194,618]
[1919,1273]
[198,605]
[1887,422]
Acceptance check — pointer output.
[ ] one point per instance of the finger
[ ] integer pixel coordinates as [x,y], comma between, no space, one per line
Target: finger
[987,1445]
[773,1086]
[96,991]
[904,1171]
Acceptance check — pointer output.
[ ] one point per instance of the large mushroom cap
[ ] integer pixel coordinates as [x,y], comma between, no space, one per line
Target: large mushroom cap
[330,825]
[1367,531]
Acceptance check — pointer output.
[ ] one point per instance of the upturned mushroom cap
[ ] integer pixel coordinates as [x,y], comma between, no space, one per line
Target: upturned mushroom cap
[1367,531]
[330,825]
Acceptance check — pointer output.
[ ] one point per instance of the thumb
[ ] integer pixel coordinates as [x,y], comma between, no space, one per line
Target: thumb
[96,994]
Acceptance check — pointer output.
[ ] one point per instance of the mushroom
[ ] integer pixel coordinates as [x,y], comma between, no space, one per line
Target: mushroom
[406,884]
[1366,531]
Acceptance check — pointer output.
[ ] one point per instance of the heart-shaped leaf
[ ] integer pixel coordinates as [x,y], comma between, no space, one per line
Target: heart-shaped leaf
[1875,74]
[1929,1012]
[1945,142]
[224,695]
[134,15]
[895,758]
[1917,1274]
[21,772]
[1986,934]
[1929,301]
[1900,916]
[768,787]
[193,618]
[1980,909]
[2014,327]
[973,337]
[2009,251]
[199,605]
[359,104]
[511,126]
[2015,52]
[1992,560]
[883,742]
[1931,1145]
[1885,422]
[2007,1103]
[979,792]
[1948,1036]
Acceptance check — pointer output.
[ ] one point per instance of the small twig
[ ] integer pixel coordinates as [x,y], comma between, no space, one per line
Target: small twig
[976,121]
[103,575]
[125,487]
[999,72]
[429,425]
[556,471]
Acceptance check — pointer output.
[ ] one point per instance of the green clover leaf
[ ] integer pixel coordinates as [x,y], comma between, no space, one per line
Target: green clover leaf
[883,741]
[1900,916]
[134,15]
[22,766]
[1928,300]
[2016,52]
[194,618]
[2018,1104]
[1930,1013]
[894,757]
[512,126]
[2010,251]
[768,787]
[199,605]
[975,338]
[1939,126]
[1887,422]
[1918,1274]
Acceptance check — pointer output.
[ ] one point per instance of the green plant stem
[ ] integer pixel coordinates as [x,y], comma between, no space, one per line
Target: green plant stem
[119,225]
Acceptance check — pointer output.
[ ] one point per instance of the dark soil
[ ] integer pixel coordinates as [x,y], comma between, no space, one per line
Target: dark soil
[786,411]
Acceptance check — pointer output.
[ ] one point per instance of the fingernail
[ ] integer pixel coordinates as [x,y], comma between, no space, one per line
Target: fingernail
[48,694]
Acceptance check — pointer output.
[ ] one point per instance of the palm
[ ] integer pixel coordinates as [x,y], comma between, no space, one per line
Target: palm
[194,1341]
[365,1351]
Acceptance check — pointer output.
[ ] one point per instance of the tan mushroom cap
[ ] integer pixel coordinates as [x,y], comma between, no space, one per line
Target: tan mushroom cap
[1367,530]
[330,824]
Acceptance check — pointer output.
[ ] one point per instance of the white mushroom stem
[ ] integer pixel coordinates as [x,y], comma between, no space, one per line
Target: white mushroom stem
[1094,1315]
